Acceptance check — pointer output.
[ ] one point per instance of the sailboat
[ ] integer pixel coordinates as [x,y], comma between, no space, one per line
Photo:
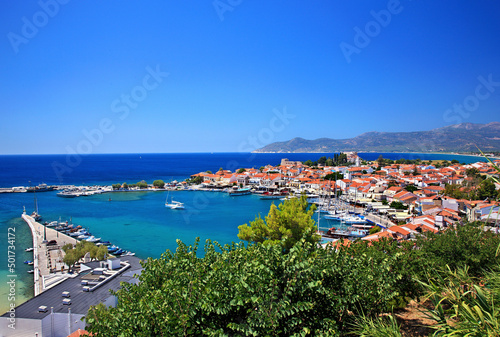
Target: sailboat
[173,204]
[35,214]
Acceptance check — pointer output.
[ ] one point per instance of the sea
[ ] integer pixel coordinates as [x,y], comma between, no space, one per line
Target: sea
[135,221]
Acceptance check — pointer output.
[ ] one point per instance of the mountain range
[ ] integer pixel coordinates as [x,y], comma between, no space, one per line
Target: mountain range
[453,138]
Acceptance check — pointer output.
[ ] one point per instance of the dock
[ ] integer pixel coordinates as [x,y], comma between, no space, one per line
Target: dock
[46,258]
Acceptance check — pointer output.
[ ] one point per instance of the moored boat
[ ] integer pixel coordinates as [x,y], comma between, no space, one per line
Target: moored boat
[239,191]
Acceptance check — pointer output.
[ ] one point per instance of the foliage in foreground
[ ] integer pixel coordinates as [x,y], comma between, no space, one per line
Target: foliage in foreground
[285,224]
[382,326]
[255,290]
[464,305]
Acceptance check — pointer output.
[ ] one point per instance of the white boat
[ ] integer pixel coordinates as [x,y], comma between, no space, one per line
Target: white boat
[354,220]
[82,237]
[173,204]
[93,239]
[52,224]
[29,249]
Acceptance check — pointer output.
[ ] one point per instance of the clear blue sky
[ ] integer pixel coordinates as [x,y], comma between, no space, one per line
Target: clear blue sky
[232,67]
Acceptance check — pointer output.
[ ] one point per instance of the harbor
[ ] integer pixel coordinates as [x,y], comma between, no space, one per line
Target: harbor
[48,240]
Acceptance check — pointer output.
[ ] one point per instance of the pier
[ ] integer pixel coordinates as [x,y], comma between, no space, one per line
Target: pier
[45,258]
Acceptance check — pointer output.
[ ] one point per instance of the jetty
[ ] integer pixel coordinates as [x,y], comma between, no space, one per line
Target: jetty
[47,258]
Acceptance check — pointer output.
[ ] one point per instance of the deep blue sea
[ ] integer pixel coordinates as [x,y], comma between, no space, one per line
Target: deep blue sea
[136,221]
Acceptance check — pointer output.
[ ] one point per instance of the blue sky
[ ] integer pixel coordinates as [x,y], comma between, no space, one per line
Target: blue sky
[232,75]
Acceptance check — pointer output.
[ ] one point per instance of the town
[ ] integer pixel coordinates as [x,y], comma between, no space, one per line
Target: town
[403,199]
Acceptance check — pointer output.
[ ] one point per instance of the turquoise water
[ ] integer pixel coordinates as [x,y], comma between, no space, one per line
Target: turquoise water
[137,221]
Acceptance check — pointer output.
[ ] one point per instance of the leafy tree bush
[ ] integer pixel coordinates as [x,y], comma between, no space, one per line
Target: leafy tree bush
[334,176]
[142,184]
[255,290]
[467,245]
[397,205]
[285,224]
[159,183]
[116,186]
[196,180]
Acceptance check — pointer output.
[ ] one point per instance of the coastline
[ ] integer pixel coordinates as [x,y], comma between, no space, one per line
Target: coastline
[42,257]
[467,154]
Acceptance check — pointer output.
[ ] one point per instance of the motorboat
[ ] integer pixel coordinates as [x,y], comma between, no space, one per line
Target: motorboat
[354,220]
[28,262]
[31,271]
[273,195]
[93,239]
[239,191]
[52,224]
[67,194]
[30,249]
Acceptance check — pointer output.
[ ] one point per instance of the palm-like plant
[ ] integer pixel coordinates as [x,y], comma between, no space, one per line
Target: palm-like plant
[464,305]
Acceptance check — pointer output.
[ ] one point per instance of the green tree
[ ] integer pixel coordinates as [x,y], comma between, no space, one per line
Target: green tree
[241,170]
[308,163]
[487,190]
[285,224]
[116,186]
[209,172]
[375,229]
[142,184]
[70,258]
[159,183]
[334,176]
[411,188]
[466,245]
[329,162]
[322,160]
[262,168]
[125,185]
[102,253]
[398,205]
[251,291]
[380,161]
[196,180]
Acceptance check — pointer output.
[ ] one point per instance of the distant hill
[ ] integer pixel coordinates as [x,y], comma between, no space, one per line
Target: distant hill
[454,138]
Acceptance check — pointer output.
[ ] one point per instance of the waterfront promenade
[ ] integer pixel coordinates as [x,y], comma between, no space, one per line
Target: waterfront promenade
[45,258]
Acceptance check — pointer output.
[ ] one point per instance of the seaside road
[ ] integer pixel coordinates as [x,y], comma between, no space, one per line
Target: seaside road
[380,220]
[45,259]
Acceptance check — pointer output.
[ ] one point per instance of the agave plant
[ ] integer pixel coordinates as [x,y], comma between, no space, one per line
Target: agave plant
[382,326]
[463,305]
